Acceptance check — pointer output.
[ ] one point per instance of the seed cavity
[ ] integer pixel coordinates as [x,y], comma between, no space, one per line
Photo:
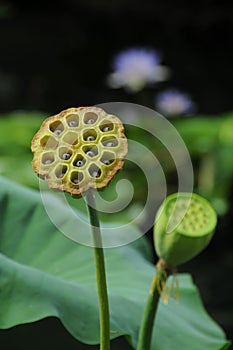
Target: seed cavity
[107,158]
[56,127]
[47,158]
[79,161]
[90,135]
[90,118]
[76,177]
[60,171]
[72,120]
[65,153]
[90,151]
[110,141]
[106,126]
[48,142]
[94,171]
[71,138]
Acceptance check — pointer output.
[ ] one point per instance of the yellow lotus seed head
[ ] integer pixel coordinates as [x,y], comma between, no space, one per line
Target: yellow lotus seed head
[78,149]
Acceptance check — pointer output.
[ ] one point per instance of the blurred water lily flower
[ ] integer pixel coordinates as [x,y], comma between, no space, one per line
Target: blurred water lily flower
[173,103]
[134,68]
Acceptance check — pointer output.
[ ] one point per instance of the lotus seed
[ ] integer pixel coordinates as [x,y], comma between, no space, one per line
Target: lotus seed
[90,121]
[66,156]
[75,181]
[90,138]
[72,123]
[95,174]
[48,161]
[107,162]
[57,131]
[60,175]
[90,153]
[107,128]
[110,144]
[80,163]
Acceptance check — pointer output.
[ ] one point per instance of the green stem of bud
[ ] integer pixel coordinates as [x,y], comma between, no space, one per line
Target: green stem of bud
[163,271]
[100,272]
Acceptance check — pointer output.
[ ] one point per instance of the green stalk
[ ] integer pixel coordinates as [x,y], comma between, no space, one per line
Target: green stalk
[157,285]
[100,272]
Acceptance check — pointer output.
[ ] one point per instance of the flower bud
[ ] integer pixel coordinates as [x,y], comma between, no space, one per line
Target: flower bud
[184,226]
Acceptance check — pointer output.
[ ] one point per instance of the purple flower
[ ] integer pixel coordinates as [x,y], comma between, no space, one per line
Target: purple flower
[174,103]
[135,68]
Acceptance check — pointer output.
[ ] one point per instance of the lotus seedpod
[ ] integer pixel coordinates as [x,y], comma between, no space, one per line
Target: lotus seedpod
[184,226]
[78,149]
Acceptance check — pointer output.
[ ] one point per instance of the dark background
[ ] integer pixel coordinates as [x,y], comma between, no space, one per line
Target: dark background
[57,55]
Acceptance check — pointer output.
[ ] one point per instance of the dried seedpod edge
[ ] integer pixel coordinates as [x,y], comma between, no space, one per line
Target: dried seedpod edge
[78,149]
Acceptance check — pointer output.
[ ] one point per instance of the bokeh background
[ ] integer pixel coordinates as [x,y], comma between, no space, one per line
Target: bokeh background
[58,54]
[54,55]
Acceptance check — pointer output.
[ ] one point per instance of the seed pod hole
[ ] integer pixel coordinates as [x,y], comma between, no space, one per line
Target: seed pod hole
[56,127]
[60,171]
[47,158]
[72,120]
[90,135]
[76,177]
[71,138]
[91,151]
[106,126]
[107,158]
[90,118]
[192,219]
[94,171]
[79,161]
[48,142]
[64,153]
[110,141]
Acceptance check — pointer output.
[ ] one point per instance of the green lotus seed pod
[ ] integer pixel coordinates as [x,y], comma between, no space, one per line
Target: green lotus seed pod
[184,226]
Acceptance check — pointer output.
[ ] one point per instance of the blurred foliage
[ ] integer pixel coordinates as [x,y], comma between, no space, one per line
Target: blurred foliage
[16,131]
[210,143]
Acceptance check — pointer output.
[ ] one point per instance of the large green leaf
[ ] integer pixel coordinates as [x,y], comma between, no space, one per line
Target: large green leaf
[43,273]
